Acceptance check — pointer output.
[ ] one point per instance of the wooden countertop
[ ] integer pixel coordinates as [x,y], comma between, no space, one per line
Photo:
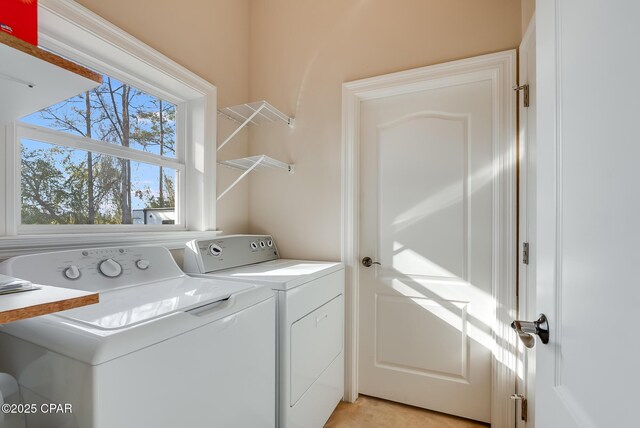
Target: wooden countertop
[28,304]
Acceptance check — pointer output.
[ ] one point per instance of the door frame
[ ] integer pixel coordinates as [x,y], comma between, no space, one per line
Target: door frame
[501,69]
[526,219]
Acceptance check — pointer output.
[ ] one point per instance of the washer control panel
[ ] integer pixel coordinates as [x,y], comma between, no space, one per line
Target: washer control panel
[203,256]
[97,269]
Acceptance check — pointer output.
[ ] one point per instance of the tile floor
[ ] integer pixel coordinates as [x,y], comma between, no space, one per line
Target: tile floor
[371,412]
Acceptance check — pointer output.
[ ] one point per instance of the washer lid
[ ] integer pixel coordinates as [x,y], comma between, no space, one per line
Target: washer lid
[140,316]
[137,304]
[280,274]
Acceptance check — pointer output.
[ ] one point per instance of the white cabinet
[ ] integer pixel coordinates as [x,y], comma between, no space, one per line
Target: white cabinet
[32,79]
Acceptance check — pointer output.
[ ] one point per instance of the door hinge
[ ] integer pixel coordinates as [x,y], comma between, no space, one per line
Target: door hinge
[523,405]
[525,253]
[525,91]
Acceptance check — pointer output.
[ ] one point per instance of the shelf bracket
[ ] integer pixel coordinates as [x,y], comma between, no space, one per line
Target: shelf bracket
[239,128]
[243,175]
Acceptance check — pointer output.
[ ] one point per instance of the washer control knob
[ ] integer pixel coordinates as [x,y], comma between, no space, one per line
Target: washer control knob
[143,264]
[110,268]
[254,246]
[72,272]
[215,250]
[263,245]
[269,243]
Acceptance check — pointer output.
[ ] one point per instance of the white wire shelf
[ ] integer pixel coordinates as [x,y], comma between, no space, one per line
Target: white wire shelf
[253,163]
[263,161]
[266,113]
[257,113]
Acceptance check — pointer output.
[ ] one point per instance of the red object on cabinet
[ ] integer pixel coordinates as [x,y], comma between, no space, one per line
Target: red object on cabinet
[20,19]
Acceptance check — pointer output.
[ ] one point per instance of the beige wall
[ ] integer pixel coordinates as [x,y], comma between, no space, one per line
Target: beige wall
[210,38]
[296,54]
[301,51]
[528,7]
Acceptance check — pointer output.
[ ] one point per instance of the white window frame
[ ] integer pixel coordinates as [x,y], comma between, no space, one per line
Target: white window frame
[76,33]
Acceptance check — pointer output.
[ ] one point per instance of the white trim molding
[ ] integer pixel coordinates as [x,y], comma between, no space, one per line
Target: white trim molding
[70,30]
[526,220]
[75,32]
[500,68]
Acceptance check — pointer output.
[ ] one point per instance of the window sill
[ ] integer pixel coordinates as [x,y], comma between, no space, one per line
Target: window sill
[11,246]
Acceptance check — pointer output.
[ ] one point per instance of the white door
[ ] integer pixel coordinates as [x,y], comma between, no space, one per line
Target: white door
[431,204]
[588,208]
[527,230]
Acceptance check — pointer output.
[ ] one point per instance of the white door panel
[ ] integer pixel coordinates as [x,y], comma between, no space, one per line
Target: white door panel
[410,151]
[588,202]
[427,174]
[446,360]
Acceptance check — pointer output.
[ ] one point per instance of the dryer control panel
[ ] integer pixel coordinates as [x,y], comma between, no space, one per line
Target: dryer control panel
[225,252]
[95,269]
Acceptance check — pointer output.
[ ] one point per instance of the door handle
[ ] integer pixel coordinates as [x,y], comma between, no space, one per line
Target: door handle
[368,262]
[527,329]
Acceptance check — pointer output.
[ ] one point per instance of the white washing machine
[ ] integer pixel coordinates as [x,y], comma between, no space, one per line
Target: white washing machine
[310,314]
[161,349]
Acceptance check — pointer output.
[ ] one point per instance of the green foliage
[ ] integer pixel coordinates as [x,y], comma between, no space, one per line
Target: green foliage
[55,188]
[43,191]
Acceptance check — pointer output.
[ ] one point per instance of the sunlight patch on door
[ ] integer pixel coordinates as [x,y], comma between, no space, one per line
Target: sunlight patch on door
[408,261]
[475,329]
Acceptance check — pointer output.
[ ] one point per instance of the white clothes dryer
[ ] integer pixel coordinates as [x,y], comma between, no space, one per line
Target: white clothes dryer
[310,319]
[161,349]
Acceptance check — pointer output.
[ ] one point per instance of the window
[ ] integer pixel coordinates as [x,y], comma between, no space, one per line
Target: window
[71,180]
[76,174]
